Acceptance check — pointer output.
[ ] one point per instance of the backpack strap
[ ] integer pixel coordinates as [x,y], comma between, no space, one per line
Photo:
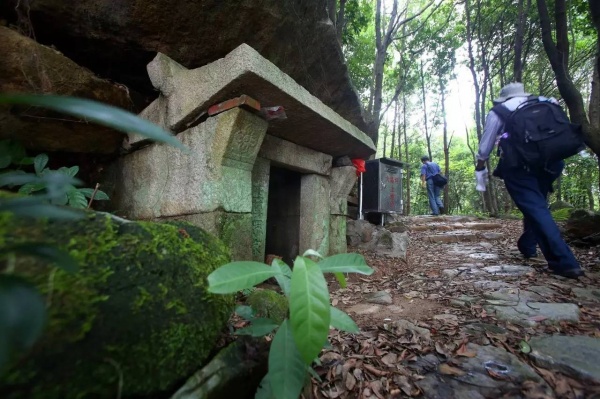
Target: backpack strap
[502,112]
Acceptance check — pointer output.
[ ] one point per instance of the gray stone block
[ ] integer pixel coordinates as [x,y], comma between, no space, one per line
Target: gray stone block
[337,235]
[161,181]
[575,356]
[260,200]
[314,214]
[294,157]
[342,180]
[234,229]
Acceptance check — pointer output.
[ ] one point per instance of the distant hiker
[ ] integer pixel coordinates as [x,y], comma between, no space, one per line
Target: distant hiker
[534,135]
[430,172]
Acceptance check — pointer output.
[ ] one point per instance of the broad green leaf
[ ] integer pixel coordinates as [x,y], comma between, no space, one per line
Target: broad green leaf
[237,276]
[61,200]
[312,252]
[11,152]
[34,207]
[77,199]
[47,252]
[285,278]
[345,263]
[98,196]
[341,279]
[72,171]
[309,308]
[341,321]
[287,371]
[94,111]
[22,316]
[24,161]
[259,327]
[31,188]
[264,389]
[524,346]
[40,162]
[245,312]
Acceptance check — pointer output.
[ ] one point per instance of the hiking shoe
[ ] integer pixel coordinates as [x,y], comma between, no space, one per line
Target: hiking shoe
[571,273]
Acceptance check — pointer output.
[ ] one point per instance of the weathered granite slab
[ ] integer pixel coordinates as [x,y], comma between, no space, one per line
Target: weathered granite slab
[529,314]
[162,181]
[314,213]
[573,355]
[473,379]
[310,123]
[294,157]
[508,270]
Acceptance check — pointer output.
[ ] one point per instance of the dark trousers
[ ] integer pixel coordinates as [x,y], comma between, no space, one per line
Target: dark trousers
[529,190]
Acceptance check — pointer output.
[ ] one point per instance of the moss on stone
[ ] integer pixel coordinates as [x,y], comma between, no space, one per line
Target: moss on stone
[235,229]
[137,309]
[268,303]
[562,215]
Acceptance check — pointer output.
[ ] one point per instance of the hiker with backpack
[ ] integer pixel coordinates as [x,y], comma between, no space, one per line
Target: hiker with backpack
[534,136]
[432,178]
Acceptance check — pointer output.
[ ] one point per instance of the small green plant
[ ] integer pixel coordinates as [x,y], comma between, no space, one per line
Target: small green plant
[300,337]
[73,196]
[13,154]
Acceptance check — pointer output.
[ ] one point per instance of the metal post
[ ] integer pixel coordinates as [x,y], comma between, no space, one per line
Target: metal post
[360,198]
[382,218]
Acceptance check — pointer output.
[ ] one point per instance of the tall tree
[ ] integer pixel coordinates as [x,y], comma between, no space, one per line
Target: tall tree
[558,55]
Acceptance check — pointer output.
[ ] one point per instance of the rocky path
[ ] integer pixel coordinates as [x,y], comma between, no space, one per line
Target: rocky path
[463,315]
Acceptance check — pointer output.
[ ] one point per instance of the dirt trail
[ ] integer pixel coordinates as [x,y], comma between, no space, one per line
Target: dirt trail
[466,317]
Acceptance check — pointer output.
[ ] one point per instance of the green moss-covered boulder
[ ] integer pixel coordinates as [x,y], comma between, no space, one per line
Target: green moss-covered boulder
[135,319]
[561,215]
[268,303]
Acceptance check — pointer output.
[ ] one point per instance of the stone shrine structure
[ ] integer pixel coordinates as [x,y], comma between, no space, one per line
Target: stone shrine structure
[262,187]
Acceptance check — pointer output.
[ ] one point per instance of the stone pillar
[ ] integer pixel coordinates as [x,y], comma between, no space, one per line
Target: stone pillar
[260,200]
[314,213]
[342,181]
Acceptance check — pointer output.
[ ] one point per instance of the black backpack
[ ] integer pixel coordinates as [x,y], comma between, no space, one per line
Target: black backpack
[539,132]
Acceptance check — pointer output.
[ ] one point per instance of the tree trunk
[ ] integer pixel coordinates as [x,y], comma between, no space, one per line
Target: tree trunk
[446,145]
[422,76]
[385,135]
[558,55]
[518,64]
[595,12]
[407,205]
[340,20]
[394,130]
[332,11]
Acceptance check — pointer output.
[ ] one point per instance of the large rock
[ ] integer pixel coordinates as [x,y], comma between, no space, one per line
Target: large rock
[28,67]
[137,311]
[574,356]
[234,372]
[473,377]
[583,227]
[118,39]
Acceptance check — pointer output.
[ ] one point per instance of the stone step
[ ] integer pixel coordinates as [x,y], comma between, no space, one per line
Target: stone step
[462,236]
[427,219]
[438,226]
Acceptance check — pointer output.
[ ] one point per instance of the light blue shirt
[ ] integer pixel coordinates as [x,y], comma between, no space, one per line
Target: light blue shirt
[429,169]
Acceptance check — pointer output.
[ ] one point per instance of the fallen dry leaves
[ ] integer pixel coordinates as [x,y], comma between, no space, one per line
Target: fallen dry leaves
[378,362]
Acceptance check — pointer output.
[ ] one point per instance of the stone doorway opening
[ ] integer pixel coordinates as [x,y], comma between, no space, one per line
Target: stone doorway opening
[283,214]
